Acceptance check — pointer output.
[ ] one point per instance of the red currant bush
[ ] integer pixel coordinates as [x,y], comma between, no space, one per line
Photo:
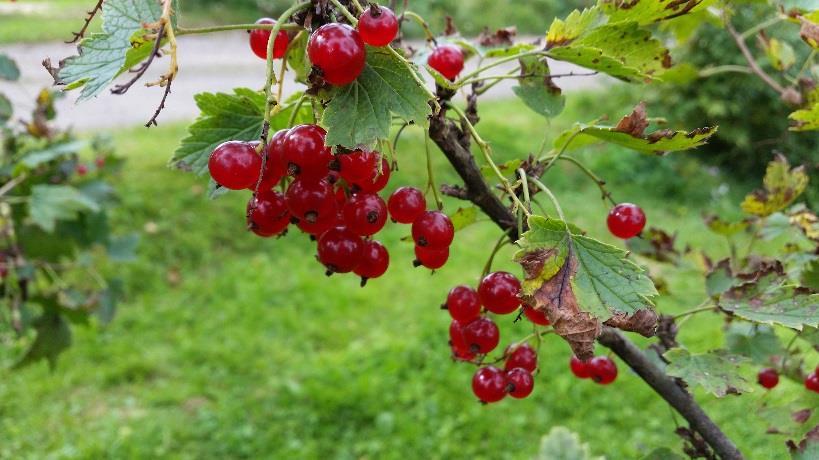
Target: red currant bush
[235,165]
[522,356]
[378,25]
[375,259]
[579,368]
[267,213]
[482,335]
[433,229]
[338,51]
[431,258]
[602,370]
[499,292]
[626,220]
[519,383]
[463,304]
[305,152]
[406,204]
[768,378]
[365,213]
[340,250]
[260,37]
[448,60]
[489,384]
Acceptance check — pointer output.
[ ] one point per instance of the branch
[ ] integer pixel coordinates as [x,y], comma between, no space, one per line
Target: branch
[140,71]
[743,48]
[88,18]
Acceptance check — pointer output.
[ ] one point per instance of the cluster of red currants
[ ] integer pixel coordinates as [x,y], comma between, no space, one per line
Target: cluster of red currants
[491,384]
[600,369]
[769,378]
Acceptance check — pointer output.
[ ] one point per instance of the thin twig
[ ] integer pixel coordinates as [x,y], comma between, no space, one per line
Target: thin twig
[87,22]
[743,48]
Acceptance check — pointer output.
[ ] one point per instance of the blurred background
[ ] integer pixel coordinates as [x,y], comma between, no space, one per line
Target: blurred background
[231,346]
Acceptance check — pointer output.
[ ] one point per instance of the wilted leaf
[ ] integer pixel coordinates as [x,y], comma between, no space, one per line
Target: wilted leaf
[807,448]
[536,89]
[716,371]
[759,343]
[8,68]
[723,227]
[809,30]
[648,11]
[781,186]
[50,203]
[359,113]
[53,337]
[563,444]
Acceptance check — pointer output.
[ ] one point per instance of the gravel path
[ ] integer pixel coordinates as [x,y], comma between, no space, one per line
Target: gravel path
[207,63]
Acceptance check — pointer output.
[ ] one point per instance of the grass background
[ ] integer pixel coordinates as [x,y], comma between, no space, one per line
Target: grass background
[231,346]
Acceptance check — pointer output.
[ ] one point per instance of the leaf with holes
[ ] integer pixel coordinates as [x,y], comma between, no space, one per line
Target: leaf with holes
[780,187]
[718,372]
[360,113]
[647,12]
[768,300]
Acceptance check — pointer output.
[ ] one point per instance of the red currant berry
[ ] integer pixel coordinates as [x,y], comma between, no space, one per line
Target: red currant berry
[626,220]
[433,229]
[313,203]
[374,261]
[499,292]
[276,166]
[378,181]
[267,213]
[489,384]
[768,378]
[260,37]
[100,162]
[431,258]
[519,382]
[82,170]
[522,356]
[482,335]
[536,316]
[235,165]
[460,348]
[365,214]
[463,304]
[378,25]
[305,152]
[340,250]
[338,51]
[406,204]
[448,60]
[579,368]
[358,166]
[602,370]
[812,382]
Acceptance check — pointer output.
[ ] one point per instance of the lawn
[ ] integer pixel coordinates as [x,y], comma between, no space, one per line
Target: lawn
[231,346]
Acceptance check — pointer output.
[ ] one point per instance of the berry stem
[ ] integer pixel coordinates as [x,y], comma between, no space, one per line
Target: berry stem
[525,183]
[601,184]
[695,311]
[223,28]
[430,176]
[487,154]
[296,108]
[421,22]
[347,14]
[552,198]
[496,63]
[502,241]
[787,353]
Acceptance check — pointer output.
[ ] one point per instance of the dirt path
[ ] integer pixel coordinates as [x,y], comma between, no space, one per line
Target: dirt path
[207,63]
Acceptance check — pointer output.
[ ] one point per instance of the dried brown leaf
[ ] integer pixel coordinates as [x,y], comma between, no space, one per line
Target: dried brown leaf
[635,123]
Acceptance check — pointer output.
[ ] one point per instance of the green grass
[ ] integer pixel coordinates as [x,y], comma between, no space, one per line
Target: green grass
[230,346]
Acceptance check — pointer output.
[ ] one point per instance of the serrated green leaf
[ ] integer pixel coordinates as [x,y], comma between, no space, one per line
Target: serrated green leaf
[646,12]
[780,187]
[359,113]
[767,300]
[536,89]
[716,371]
[6,110]
[53,337]
[563,444]
[8,68]
[464,217]
[605,281]
[50,203]
[564,31]
[805,119]
[297,57]
[758,343]
[103,56]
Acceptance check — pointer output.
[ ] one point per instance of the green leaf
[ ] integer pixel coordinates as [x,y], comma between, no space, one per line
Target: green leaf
[108,300]
[297,58]
[52,152]
[53,337]
[759,343]
[780,54]
[6,110]
[103,56]
[564,31]
[646,12]
[767,300]
[464,217]
[563,444]
[724,227]
[8,68]
[50,203]
[805,119]
[507,168]
[123,248]
[781,187]
[605,282]
[716,371]
[359,113]
[719,279]
[536,89]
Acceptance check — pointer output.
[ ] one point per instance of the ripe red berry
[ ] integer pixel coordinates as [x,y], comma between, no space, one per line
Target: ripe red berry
[374,261]
[463,304]
[812,382]
[365,214]
[520,382]
[378,25]
[482,335]
[100,162]
[460,348]
[448,60]
[768,378]
[499,291]
[276,166]
[431,258]
[260,37]
[536,316]
[82,170]
[313,204]
[522,356]
[602,370]
[579,368]
[340,250]
[406,204]
[267,213]
[338,51]
[378,181]
[235,165]
[433,229]
[489,384]
[358,166]
[626,220]
[305,152]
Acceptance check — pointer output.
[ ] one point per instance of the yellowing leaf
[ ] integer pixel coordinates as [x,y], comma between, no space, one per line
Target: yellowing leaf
[805,119]
[723,227]
[646,12]
[781,186]
[780,54]
[563,31]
